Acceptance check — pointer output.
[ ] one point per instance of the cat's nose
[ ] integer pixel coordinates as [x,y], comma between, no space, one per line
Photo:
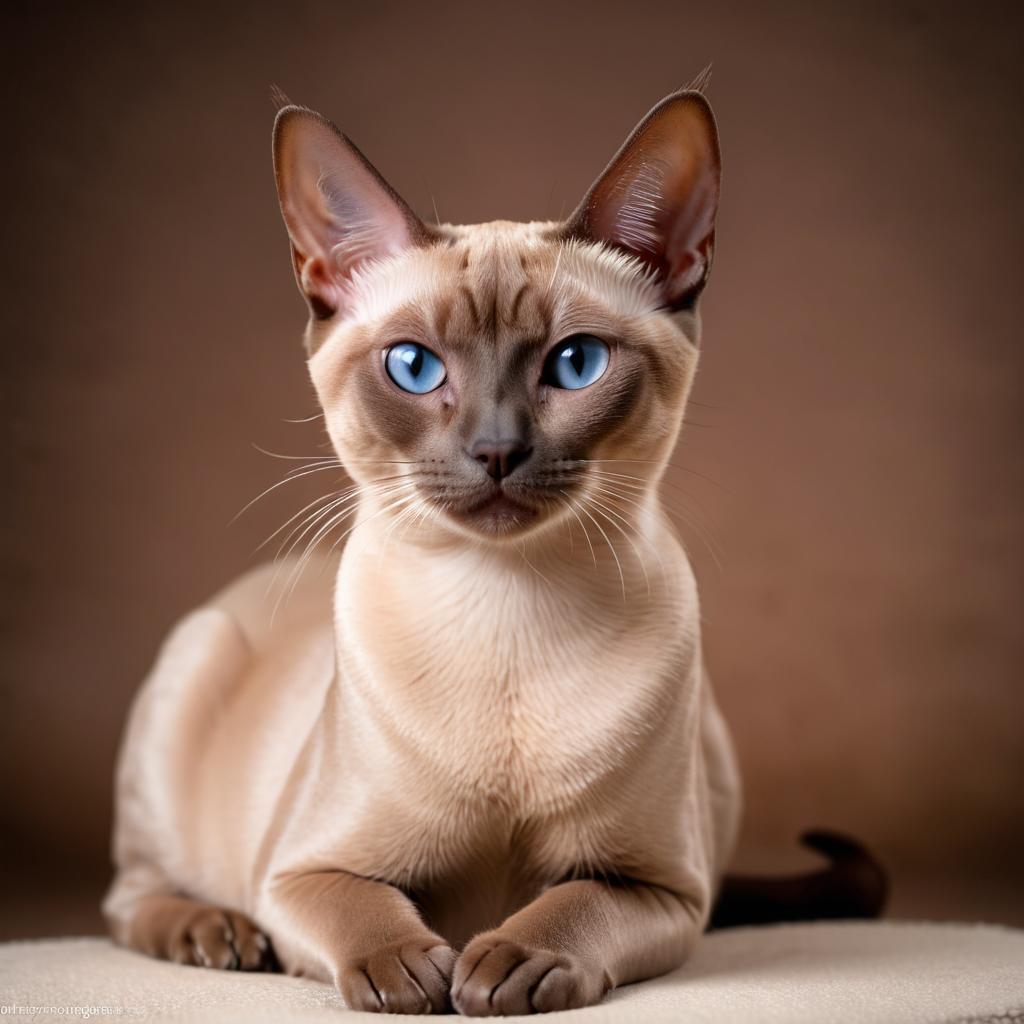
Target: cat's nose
[499,458]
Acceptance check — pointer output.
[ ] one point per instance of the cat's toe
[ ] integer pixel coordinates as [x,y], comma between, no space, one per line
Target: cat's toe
[222,939]
[211,939]
[495,977]
[404,977]
[252,948]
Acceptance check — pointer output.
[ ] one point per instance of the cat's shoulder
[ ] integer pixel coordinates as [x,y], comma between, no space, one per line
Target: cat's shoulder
[267,620]
[277,599]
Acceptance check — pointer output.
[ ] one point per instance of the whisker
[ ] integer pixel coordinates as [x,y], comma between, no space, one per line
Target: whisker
[339,507]
[615,497]
[522,555]
[711,545]
[292,474]
[611,548]
[703,531]
[396,503]
[303,560]
[657,462]
[353,490]
[558,262]
[640,484]
[426,512]
[607,513]
[383,462]
[297,470]
[330,497]
[279,455]
[303,527]
[305,419]
[583,526]
[406,516]
[347,502]
[572,542]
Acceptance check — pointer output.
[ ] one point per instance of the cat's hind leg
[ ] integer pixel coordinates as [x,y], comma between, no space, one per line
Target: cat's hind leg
[187,931]
[156,835]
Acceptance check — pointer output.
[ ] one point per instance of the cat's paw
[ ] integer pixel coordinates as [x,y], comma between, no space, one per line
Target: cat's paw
[223,939]
[410,976]
[497,977]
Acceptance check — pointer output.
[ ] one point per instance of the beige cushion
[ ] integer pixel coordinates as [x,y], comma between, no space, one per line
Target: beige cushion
[818,973]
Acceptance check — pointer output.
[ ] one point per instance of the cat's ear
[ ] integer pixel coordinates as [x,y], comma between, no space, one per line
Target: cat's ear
[658,197]
[338,210]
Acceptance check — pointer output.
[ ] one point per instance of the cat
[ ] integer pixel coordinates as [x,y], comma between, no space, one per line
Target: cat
[476,762]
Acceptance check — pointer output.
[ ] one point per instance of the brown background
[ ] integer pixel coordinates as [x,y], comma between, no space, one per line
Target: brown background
[859,401]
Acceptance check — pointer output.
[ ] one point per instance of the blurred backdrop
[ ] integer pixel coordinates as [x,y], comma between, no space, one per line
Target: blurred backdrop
[850,482]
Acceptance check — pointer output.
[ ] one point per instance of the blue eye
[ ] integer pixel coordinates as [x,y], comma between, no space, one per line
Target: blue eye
[576,362]
[414,368]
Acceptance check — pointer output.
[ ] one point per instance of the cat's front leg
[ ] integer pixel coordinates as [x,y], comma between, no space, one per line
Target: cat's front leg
[571,945]
[365,936]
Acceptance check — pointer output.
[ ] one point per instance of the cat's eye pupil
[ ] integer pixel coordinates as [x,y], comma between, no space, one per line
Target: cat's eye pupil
[577,357]
[577,363]
[414,368]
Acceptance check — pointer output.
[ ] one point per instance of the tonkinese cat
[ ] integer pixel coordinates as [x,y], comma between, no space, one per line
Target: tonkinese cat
[478,761]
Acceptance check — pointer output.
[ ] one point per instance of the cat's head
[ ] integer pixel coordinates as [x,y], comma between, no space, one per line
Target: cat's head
[499,376]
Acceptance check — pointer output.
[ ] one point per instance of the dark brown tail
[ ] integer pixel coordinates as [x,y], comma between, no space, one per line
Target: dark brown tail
[853,885]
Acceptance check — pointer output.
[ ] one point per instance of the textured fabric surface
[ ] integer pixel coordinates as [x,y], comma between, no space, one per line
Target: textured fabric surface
[819,974]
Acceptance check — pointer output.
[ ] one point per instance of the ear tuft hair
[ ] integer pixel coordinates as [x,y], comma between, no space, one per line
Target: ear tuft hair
[701,82]
[279,98]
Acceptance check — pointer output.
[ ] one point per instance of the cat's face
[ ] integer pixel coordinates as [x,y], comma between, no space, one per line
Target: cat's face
[501,378]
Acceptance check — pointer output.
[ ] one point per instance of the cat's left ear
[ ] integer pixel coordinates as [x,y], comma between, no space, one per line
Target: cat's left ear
[338,209]
[658,197]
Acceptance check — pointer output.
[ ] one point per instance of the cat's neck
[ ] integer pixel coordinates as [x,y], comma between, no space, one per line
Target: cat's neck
[506,668]
[603,572]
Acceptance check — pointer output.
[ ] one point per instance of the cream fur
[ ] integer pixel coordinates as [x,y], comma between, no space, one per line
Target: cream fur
[470,719]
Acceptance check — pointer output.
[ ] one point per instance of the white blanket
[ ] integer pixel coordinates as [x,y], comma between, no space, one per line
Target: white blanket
[819,974]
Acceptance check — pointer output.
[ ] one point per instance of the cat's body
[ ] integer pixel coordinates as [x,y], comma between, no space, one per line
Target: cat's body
[496,718]
[560,770]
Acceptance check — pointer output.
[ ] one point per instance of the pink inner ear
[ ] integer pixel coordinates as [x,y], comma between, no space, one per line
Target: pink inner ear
[658,198]
[358,221]
[339,211]
[689,237]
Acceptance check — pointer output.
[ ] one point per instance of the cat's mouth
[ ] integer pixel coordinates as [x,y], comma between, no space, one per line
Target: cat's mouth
[497,513]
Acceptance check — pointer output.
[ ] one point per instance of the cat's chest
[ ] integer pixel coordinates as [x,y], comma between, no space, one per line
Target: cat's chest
[472,680]
[529,707]
[526,705]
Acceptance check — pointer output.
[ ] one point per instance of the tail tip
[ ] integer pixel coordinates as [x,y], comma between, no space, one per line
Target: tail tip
[867,888]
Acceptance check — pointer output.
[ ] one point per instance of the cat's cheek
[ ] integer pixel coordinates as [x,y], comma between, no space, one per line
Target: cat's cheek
[585,421]
[388,416]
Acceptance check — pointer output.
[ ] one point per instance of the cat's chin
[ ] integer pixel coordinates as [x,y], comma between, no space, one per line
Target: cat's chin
[497,516]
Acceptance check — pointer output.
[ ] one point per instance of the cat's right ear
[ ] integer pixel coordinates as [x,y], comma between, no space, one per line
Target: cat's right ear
[338,209]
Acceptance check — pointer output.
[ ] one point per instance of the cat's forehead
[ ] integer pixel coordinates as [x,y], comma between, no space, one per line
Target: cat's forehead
[500,280]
